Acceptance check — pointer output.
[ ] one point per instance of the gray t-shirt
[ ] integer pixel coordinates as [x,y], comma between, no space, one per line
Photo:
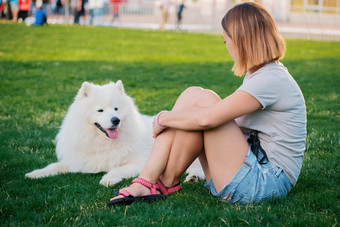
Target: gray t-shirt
[282,120]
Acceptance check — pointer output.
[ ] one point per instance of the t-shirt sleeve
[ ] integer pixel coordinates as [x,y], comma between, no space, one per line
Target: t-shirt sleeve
[264,87]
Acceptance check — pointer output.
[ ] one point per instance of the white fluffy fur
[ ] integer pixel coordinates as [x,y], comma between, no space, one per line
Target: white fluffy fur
[82,147]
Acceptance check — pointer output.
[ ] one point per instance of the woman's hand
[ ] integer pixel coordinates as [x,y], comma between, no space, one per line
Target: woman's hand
[156,130]
[157,127]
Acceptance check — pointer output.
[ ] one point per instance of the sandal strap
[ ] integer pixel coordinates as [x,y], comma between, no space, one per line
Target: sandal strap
[153,187]
[124,193]
[168,190]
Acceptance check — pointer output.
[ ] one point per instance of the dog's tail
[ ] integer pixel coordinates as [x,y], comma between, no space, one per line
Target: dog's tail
[50,170]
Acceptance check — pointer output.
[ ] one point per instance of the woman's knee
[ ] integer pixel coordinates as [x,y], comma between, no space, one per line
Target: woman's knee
[206,97]
[187,97]
[197,96]
[192,91]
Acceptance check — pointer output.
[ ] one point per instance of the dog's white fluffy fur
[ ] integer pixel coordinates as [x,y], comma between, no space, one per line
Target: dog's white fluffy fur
[104,132]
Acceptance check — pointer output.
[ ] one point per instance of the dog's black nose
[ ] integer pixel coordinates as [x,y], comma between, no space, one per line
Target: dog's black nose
[115,121]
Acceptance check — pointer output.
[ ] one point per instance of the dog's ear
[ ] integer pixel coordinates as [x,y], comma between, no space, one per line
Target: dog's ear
[120,86]
[84,90]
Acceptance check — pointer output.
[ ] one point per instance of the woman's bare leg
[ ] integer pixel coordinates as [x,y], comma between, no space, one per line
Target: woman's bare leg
[185,145]
[182,148]
[224,150]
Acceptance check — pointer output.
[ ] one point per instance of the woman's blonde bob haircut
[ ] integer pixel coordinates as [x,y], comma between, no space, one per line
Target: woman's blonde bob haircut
[254,35]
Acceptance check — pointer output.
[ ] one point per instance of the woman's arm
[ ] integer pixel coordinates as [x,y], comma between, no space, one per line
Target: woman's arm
[194,118]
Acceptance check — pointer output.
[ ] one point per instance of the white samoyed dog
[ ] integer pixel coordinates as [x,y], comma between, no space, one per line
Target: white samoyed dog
[104,132]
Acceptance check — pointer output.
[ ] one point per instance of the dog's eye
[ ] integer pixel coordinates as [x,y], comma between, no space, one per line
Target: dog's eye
[100,110]
[116,108]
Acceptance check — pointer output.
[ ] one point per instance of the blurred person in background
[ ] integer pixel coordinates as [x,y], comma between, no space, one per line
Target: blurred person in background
[180,7]
[5,10]
[58,8]
[165,5]
[40,17]
[24,7]
[2,6]
[115,9]
[96,9]
[78,8]
[14,4]
[32,8]
[46,6]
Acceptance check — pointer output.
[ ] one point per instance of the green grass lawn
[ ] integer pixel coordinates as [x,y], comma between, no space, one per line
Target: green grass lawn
[41,70]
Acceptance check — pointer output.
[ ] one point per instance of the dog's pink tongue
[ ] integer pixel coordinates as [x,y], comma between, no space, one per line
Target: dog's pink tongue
[113,133]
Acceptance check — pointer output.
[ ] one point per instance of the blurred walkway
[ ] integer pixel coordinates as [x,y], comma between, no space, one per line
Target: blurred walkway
[288,30]
[196,19]
[310,31]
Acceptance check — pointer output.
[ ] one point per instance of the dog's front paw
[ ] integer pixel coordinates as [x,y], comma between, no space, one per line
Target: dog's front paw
[109,181]
[194,175]
[35,174]
[192,179]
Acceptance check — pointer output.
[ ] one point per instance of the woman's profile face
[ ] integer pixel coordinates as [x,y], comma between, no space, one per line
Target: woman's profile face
[229,44]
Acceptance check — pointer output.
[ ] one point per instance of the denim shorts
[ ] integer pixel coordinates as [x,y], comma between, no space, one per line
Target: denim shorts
[254,183]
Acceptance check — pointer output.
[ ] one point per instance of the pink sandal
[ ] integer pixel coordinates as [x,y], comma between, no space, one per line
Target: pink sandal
[128,198]
[168,190]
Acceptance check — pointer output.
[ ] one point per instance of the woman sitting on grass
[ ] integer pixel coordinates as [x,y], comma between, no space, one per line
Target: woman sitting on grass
[250,144]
